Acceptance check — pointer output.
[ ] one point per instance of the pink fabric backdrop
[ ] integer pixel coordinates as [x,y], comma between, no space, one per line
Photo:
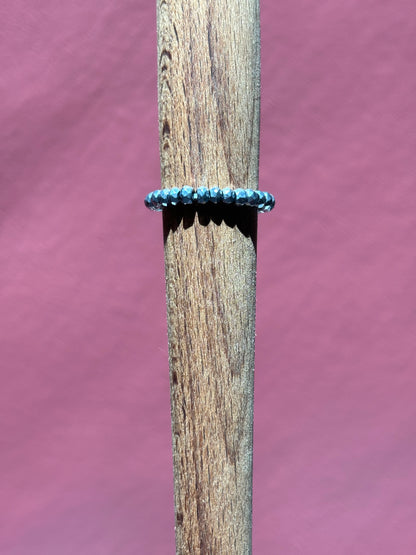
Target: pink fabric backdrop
[85,464]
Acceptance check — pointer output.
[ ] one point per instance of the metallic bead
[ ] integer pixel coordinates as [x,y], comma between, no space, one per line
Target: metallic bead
[268,205]
[187,195]
[240,197]
[261,200]
[215,195]
[252,197]
[202,195]
[154,205]
[164,197]
[156,196]
[157,199]
[148,201]
[228,195]
[174,196]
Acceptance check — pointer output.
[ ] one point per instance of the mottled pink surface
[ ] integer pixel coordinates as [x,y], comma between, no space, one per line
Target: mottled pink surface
[85,465]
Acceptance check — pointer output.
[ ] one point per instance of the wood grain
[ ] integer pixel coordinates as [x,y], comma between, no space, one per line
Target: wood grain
[209,135]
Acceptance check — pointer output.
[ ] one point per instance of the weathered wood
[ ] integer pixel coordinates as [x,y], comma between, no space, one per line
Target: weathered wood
[209,135]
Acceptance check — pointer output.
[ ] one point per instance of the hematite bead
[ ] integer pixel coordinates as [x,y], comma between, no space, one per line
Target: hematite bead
[261,200]
[187,195]
[174,196]
[148,201]
[240,197]
[202,195]
[157,199]
[164,197]
[268,205]
[252,197]
[228,195]
[215,195]
[154,204]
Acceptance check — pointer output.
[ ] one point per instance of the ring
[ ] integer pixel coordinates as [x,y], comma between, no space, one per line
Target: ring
[162,198]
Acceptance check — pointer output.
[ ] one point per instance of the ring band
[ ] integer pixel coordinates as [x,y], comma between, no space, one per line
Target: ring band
[162,198]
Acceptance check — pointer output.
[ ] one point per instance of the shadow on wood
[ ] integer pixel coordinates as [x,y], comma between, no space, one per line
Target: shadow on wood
[242,217]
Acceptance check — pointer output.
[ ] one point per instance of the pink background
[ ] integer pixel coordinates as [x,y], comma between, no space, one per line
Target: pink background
[85,460]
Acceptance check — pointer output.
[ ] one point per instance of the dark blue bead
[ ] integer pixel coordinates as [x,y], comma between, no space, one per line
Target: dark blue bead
[174,196]
[202,195]
[240,197]
[215,195]
[228,195]
[252,197]
[187,195]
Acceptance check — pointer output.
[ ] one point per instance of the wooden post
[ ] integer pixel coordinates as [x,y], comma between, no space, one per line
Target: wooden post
[209,97]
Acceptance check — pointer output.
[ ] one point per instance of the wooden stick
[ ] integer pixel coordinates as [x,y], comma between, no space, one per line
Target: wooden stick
[209,136]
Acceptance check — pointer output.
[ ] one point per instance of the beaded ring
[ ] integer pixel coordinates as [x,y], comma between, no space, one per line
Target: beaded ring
[162,198]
